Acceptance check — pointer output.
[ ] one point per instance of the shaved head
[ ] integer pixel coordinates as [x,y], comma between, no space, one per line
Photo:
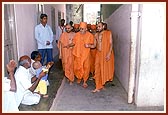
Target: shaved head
[37,65]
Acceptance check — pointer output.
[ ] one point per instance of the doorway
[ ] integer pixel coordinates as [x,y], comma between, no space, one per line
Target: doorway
[10,43]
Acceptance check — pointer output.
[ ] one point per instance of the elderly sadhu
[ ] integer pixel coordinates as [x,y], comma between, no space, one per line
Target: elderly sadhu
[82,54]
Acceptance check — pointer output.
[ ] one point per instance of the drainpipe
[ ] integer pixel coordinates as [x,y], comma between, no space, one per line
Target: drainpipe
[135,15]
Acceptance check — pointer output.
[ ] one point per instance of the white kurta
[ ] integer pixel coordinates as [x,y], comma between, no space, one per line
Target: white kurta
[9,100]
[23,95]
[42,35]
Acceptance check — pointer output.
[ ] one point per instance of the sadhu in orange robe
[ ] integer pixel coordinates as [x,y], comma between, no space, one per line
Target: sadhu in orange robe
[82,55]
[66,54]
[104,70]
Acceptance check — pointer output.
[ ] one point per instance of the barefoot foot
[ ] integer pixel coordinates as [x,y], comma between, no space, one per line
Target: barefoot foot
[45,96]
[70,83]
[96,90]
[78,81]
[85,85]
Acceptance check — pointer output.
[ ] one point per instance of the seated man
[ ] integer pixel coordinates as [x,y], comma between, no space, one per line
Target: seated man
[10,89]
[42,86]
[25,90]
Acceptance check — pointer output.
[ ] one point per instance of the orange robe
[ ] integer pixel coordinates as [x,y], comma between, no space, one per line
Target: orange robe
[82,55]
[104,70]
[66,56]
[92,59]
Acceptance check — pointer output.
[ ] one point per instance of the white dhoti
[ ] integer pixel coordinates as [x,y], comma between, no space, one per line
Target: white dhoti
[9,104]
[30,98]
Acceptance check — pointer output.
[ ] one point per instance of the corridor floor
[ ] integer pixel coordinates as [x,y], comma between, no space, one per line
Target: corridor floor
[74,98]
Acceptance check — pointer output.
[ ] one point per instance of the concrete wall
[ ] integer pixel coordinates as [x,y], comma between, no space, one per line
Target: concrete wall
[47,10]
[25,15]
[119,24]
[150,89]
[151,73]
[108,9]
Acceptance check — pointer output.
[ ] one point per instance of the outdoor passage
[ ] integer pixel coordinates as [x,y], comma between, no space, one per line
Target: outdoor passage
[84,57]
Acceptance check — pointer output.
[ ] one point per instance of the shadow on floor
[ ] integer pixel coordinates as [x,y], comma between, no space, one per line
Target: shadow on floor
[55,79]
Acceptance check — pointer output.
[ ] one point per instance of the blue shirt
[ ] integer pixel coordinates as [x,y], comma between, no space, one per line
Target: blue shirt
[38,72]
[42,35]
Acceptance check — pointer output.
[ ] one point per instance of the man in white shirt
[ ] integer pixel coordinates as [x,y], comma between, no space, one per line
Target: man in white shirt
[44,37]
[9,82]
[25,90]
[60,29]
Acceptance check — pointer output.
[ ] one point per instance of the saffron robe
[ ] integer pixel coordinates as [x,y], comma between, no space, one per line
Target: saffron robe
[82,55]
[66,55]
[92,58]
[104,70]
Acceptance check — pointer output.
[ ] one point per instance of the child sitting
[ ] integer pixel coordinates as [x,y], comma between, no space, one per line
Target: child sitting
[42,86]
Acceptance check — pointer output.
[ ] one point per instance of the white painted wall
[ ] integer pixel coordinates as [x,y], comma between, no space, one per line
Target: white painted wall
[150,90]
[47,10]
[26,19]
[120,25]
[151,79]
[58,7]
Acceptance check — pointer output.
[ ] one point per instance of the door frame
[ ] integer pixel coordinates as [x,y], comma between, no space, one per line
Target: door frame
[134,51]
[9,42]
